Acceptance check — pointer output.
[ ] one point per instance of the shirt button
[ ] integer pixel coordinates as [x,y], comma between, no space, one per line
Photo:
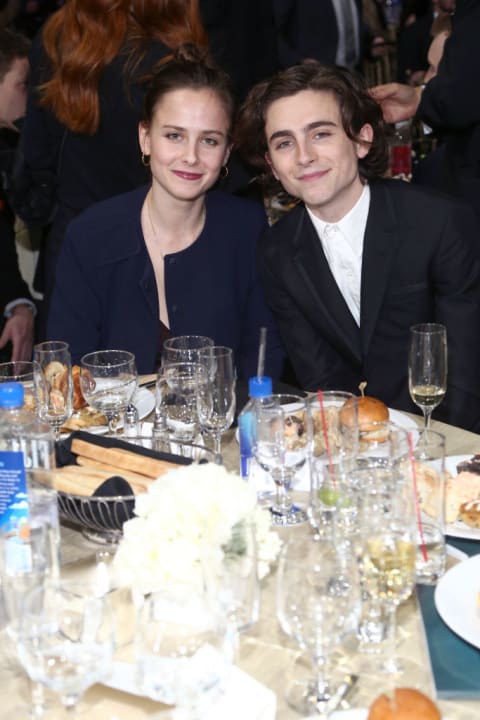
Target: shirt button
[171,261]
[174,308]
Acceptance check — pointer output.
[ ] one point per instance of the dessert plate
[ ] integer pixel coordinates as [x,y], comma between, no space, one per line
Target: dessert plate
[458,529]
[456,599]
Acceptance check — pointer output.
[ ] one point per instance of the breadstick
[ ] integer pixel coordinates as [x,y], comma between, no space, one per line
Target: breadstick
[82,481]
[110,470]
[123,459]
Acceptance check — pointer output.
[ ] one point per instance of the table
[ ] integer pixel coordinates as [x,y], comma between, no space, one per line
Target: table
[265,652]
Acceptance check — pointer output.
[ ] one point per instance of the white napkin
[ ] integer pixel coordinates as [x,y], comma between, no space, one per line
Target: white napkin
[244,697]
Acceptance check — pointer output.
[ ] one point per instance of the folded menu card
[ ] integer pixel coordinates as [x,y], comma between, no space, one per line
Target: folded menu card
[244,697]
[455,663]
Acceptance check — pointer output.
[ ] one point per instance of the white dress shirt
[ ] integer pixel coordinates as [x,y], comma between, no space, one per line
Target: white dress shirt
[342,243]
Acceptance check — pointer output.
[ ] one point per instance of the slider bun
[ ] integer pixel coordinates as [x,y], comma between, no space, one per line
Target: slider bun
[410,704]
[370,410]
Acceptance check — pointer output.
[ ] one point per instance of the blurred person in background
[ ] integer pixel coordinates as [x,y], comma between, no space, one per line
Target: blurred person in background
[449,104]
[79,141]
[17,310]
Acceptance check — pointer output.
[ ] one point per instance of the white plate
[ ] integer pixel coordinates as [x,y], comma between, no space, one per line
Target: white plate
[144,401]
[456,599]
[402,420]
[458,529]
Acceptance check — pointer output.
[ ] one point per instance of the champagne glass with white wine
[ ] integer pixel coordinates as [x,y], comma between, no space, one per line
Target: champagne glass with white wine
[427,367]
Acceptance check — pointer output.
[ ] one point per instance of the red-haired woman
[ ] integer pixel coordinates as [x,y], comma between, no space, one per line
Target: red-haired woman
[89,68]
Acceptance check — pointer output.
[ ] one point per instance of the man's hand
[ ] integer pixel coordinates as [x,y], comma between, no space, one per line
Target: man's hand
[19,331]
[398,102]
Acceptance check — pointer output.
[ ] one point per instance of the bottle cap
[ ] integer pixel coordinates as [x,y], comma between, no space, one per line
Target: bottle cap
[11,395]
[259,386]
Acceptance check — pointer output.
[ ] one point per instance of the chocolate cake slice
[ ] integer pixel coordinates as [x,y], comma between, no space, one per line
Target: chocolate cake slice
[472,465]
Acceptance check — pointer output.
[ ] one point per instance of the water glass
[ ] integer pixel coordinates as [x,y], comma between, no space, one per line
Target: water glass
[330,436]
[65,639]
[22,372]
[426,470]
[108,380]
[183,648]
[184,348]
[176,411]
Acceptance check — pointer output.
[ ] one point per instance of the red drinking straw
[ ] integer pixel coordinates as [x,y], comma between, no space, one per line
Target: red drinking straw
[417,504]
[325,431]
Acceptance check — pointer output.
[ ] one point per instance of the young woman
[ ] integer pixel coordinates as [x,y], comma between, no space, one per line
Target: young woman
[170,258]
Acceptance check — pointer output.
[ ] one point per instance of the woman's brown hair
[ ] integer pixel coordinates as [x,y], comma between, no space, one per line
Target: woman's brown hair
[356,106]
[85,35]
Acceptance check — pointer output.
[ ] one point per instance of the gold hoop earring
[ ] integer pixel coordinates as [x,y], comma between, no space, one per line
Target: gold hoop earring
[145,160]
[224,172]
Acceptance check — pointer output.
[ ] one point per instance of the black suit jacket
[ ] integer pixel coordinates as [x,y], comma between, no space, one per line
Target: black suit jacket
[418,266]
[308,29]
[450,104]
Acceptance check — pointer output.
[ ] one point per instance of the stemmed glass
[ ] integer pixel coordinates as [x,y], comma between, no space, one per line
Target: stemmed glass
[386,549]
[281,447]
[65,639]
[318,605]
[427,367]
[216,398]
[53,383]
[108,380]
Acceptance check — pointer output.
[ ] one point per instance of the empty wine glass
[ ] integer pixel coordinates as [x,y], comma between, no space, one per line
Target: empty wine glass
[318,605]
[183,648]
[184,348]
[65,639]
[53,383]
[216,398]
[281,447]
[427,367]
[108,380]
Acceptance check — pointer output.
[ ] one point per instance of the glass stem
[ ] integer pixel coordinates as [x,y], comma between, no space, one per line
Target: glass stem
[427,414]
[217,447]
[391,639]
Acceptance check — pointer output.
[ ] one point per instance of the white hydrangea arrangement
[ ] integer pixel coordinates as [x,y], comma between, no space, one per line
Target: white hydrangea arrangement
[187,516]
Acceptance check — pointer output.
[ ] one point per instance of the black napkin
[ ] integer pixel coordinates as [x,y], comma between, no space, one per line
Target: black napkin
[64,455]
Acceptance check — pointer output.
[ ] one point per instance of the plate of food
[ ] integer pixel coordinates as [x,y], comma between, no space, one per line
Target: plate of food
[457,599]
[462,496]
[87,418]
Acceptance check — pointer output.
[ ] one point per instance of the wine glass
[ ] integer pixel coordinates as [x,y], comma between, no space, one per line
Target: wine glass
[216,398]
[53,383]
[184,348]
[65,639]
[183,648]
[318,605]
[387,547]
[427,367]
[108,380]
[281,447]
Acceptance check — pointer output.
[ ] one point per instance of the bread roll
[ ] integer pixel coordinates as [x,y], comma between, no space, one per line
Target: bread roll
[409,704]
[368,410]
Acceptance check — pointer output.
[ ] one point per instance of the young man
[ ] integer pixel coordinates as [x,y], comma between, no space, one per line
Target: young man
[16,308]
[361,259]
